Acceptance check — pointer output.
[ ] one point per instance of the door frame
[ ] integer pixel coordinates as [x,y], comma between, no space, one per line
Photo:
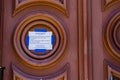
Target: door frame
[1,30]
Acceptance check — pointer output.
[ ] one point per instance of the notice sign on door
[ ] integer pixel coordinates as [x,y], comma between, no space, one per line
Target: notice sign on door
[40,40]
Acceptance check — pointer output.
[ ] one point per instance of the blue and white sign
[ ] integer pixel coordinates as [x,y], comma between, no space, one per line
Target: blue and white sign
[40,40]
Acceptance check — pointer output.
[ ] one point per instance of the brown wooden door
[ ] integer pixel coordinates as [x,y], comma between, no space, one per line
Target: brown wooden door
[105,30]
[60,39]
[42,39]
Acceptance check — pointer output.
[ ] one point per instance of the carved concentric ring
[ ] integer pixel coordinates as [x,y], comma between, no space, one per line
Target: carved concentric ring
[40,22]
[116,34]
[31,26]
[112,36]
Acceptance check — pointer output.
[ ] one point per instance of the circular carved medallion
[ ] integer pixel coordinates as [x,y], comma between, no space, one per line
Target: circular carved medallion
[112,36]
[40,40]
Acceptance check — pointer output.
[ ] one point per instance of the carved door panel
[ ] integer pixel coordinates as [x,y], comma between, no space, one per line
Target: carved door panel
[106,39]
[40,39]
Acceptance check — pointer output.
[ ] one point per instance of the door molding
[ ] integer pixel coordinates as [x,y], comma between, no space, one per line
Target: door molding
[30,3]
[61,74]
[86,71]
[108,3]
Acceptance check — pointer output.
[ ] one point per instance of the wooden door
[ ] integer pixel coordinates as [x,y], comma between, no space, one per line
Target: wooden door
[82,35]
[42,39]
[105,30]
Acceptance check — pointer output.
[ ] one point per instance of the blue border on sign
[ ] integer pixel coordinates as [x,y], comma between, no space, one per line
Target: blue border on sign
[27,41]
[53,40]
[40,50]
[40,30]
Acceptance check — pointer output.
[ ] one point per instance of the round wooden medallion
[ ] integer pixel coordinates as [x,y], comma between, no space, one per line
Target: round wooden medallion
[40,40]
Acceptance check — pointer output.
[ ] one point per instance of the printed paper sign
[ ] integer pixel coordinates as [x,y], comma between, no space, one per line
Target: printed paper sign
[40,40]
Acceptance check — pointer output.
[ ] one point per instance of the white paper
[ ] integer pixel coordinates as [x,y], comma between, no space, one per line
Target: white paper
[40,40]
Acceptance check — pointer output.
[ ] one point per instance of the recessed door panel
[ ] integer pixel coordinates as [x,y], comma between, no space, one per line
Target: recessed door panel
[40,40]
